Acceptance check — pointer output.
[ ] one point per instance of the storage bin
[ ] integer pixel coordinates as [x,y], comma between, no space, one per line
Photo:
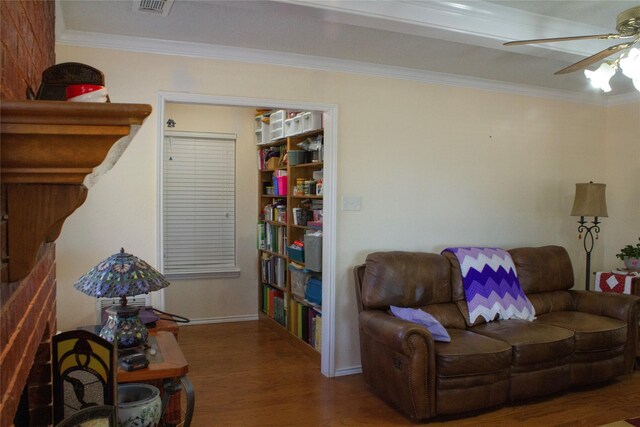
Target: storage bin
[297,124]
[311,120]
[313,291]
[313,249]
[289,128]
[282,185]
[278,115]
[296,253]
[297,157]
[298,281]
[277,129]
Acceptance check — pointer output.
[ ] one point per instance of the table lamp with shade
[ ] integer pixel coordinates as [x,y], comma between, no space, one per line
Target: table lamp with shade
[122,275]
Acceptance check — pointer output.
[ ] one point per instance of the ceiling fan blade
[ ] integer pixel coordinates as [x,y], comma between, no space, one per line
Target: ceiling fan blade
[564,39]
[580,65]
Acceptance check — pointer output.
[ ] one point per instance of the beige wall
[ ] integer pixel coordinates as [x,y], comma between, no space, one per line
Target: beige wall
[435,166]
[622,164]
[223,298]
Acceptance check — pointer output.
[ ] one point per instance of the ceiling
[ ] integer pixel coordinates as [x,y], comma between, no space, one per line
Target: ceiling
[452,42]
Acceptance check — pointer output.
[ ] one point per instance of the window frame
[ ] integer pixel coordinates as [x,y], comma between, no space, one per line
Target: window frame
[223,272]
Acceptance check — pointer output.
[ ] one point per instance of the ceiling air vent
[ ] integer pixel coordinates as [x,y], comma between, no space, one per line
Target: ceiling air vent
[155,7]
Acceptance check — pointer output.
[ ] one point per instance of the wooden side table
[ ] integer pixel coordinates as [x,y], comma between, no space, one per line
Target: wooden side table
[634,290]
[167,367]
[165,325]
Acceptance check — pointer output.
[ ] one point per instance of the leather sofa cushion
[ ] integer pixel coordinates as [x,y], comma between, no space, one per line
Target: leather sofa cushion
[532,343]
[447,314]
[405,279]
[546,302]
[592,332]
[471,354]
[543,269]
[457,288]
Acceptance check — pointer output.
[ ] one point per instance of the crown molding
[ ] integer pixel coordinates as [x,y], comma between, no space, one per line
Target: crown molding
[227,53]
[624,99]
[478,22]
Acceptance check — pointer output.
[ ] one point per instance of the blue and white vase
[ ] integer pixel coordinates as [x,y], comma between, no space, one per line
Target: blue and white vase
[139,405]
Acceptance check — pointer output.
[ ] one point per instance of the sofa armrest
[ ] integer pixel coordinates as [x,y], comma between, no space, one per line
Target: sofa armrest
[398,362]
[396,333]
[618,306]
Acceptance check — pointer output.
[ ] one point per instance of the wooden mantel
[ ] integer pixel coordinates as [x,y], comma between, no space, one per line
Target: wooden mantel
[52,152]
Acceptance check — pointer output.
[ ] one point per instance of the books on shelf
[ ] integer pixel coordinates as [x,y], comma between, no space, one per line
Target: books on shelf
[273,270]
[276,211]
[272,238]
[290,210]
[274,304]
[306,323]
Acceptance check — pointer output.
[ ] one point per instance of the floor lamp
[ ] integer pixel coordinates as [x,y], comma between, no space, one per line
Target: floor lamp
[590,201]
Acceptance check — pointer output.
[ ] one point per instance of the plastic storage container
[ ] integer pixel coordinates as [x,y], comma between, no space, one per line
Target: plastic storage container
[313,292]
[297,157]
[289,128]
[313,252]
[296,254]
[277,129]
[298,281]
[311,120]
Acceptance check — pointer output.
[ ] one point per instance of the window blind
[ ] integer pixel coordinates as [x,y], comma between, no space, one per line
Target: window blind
[199,205]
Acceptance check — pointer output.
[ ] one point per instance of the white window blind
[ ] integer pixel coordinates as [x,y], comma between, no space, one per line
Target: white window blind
[198,205]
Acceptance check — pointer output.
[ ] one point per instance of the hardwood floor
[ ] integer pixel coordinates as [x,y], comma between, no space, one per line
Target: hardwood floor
[245,374]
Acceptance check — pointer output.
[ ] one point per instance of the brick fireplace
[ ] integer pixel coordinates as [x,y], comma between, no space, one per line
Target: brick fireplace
[52,153]
[27,306]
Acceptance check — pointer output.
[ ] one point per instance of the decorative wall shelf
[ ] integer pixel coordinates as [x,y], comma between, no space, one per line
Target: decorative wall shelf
[52,152]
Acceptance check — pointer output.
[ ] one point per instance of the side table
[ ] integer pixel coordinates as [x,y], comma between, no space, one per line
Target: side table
[165,325]
[168,366]
[609,281]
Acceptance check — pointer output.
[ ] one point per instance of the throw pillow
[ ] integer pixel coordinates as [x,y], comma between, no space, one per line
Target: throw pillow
[420,317]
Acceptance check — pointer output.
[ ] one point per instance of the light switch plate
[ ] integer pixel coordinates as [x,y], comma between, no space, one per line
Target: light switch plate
[351,203]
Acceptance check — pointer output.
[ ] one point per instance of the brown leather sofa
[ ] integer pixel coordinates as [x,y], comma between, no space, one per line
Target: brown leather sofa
[577,338]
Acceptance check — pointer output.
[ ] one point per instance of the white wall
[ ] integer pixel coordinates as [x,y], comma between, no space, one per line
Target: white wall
[435,166]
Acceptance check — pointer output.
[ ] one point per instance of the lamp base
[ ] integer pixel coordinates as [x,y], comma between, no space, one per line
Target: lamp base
[124,327]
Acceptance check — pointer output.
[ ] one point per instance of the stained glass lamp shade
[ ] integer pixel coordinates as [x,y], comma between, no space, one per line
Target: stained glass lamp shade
[122,275]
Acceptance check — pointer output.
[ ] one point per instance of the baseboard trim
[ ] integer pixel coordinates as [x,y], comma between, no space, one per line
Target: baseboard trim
[348,371]
[227,319]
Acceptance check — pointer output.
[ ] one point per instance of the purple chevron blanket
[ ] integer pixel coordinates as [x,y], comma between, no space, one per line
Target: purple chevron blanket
[491,285]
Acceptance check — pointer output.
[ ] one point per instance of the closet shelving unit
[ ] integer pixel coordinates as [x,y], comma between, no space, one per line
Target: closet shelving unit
[281,274]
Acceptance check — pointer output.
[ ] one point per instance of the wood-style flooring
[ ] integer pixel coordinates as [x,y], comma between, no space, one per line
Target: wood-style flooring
[245,374]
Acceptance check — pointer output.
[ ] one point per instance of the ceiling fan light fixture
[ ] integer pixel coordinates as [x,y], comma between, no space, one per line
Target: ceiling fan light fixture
[599,78]
[630,64]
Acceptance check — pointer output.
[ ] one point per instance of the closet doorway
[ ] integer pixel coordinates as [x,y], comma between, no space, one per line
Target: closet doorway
[241,108]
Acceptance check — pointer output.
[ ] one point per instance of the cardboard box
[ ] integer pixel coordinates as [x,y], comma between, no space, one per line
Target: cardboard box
[273,163]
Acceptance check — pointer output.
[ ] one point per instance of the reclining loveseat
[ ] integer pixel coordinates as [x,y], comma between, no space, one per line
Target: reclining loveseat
[577,337]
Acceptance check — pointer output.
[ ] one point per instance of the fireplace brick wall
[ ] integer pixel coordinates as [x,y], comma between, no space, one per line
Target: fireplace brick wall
[28,307]
[28,45]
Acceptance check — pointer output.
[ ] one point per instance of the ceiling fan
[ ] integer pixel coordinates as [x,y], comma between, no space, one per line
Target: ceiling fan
[627,25]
